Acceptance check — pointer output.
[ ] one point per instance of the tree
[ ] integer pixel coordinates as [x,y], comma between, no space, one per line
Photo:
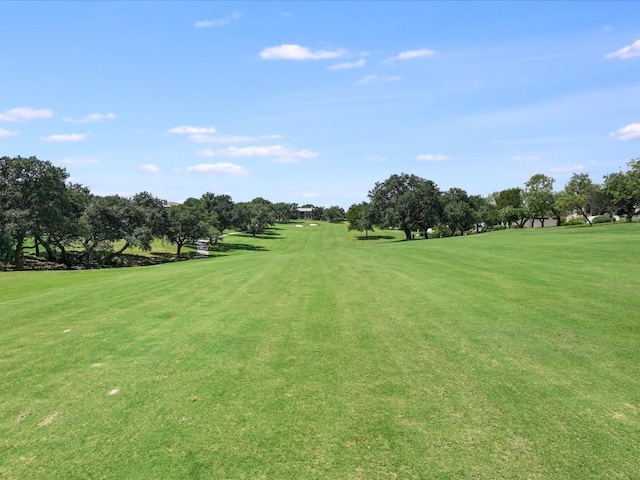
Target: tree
[577,196]
[187,223]
[459,210]
[539,197]
[334,213]
[30,194]
[253,217]
[623,188]
[359,218]
[67,228]
[407,202]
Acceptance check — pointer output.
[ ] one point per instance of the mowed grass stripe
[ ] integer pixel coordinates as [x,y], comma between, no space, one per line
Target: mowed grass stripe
[327,357]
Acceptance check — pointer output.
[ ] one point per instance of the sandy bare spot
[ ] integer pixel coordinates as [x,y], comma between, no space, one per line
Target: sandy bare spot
[66,331]
[299,226]
[22,416]
[618,415]
[313,224]
[48,420]
[114,391]
[193,398]
[97,365]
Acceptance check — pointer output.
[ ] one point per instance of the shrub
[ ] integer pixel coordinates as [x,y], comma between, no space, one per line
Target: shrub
[575,221]
[601,219]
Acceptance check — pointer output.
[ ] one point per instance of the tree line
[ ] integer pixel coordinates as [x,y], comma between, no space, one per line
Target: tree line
[69,225]
[416,205]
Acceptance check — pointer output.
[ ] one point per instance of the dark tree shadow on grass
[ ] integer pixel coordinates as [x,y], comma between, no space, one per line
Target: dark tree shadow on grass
[375,237]
[231,247]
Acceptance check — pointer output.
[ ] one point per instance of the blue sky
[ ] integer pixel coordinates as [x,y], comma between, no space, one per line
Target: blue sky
[314,102]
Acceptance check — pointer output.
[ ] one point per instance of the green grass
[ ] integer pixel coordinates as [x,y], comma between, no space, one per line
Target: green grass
[310,354]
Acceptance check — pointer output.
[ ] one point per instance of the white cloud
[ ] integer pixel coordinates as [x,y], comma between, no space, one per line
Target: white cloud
[526,158]
[6,133]
[91,118]
[369,79]
[218,168]
[187,130]
[627,52]
[411,54]
[432,157]
[199,138]
[71,137]
[220,22]
[22,114]
[80,161]
[148,168]
[297,52]
[348,65]
[276,153]
[628,132]
[571,168]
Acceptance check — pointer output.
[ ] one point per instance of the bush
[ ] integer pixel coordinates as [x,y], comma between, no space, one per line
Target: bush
[601,219]
[440,231]
[576,221]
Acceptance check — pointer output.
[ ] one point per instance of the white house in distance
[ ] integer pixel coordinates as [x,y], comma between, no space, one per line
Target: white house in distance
[305,213]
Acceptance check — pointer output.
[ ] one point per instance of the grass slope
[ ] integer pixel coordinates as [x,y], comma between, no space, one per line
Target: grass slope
[309,354]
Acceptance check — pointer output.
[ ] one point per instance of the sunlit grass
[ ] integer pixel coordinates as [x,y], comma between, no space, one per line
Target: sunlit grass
[305,353]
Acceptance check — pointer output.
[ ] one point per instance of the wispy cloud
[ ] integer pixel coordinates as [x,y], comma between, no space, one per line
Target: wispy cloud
[218,22]
[80,161]
[226,139]
[526,158]
[218,168]
[22,114]
[630,51]
[348,65]
[628,132]
[91,118]
[297,52]
[570,168]
[371,79]
[432,157]
[277,153]
[7,133]
[71,137]
[148,168]
[411,54]
[187,130]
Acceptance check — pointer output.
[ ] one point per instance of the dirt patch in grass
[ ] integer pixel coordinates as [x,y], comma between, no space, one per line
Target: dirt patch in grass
[114,391]
[48,420]
[22,416]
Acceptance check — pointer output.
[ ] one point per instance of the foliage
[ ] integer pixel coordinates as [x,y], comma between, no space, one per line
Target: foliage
[577,196]
[603,219]
[538,197]
[407,202]
[360,218]
[575,221]
[253,217]
[623,189]
[187,223]
[30,194]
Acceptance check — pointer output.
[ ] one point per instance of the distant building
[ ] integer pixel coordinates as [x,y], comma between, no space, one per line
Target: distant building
[167,204]
[305,213]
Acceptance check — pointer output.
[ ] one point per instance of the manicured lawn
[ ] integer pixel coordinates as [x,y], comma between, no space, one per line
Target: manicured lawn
[306,353]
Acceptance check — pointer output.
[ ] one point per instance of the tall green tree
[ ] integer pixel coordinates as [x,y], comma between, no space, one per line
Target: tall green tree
[406,202]
[623,188]
[360,218]
[577,196]
[187,223]
[253,217]
[31,191]
[539,197]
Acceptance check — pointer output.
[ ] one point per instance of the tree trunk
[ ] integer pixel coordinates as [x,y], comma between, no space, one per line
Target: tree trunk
[407,233]
[50,255]
[17,258]
[179,249]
